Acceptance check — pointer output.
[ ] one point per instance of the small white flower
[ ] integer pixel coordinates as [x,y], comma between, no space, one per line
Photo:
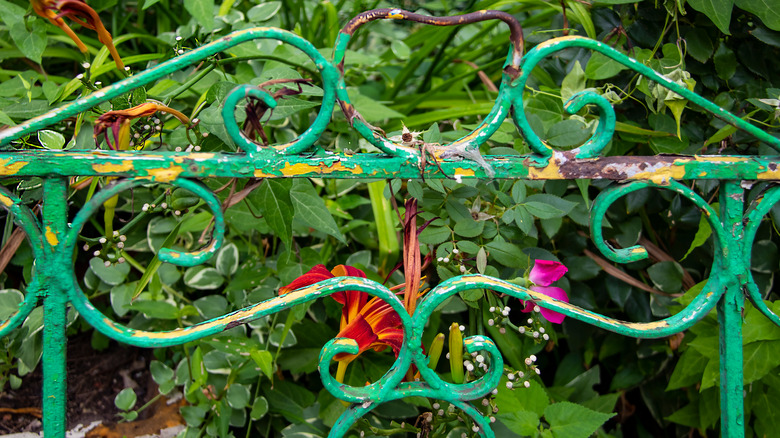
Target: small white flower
[179,38]
[145,207]
[530,320]
[485,402]
[520,374]
[532,357]
[480,358]
[494,392]
[106,263]
[122,238]
[178,149]
[440,413]
[180,51]
[541,329]
[536,335]
[492,309]
[528,361]
[537,309]
[120,245]
[502,330]
[527,384]
[538,371]
[440,259]
[462,269]
[491,322]
[446,259]
[96,253]
[164,205]
[492,419]
[510,376]
[120,260]
[102,240]
[521,329]
[462,328]
[475,429]
[197,148]
[509,385]
[435,405]
[86,65]
[458,178]
[546,337]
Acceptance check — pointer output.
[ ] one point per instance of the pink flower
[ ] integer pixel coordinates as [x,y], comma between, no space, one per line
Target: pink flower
[543,274]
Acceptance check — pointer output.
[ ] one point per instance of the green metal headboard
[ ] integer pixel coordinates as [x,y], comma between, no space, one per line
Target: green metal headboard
[53,238]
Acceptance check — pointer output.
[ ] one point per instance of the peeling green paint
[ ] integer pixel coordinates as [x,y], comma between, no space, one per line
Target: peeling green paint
[53,240]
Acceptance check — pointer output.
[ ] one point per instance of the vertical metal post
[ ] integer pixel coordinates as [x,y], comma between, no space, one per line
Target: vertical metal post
[730,306]
[55,300]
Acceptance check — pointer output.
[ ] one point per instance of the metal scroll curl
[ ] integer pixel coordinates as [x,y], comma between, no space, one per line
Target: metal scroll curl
[25,219]
[329,78]
[392,387]
[471,141]
[758,209]
[606,123]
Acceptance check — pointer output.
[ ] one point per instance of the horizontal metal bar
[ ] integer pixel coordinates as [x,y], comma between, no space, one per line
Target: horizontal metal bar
[165,166]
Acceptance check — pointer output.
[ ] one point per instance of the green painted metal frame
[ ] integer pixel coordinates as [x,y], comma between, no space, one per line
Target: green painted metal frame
[53,238]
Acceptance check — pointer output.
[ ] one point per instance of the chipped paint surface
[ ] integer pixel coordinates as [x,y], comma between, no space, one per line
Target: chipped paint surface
[11,169]
[125,166]
[165,174]
[51,237]
[301,158]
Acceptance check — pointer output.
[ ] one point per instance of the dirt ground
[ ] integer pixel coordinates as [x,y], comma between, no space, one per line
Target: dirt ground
[94,379]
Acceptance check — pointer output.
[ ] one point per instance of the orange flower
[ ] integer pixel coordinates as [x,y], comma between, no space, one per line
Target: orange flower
[371,323]
[119,122]
[81,13]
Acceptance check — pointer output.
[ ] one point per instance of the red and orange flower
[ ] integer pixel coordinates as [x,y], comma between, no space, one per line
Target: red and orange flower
[79,12]
[119,121]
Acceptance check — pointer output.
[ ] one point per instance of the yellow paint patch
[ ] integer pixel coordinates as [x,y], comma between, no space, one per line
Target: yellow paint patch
[664,175]
[463,172]
[5,200]
[11,169]
[551,171]
[125,166]
[51,237]
[303,169]
[163,174]
[197,156]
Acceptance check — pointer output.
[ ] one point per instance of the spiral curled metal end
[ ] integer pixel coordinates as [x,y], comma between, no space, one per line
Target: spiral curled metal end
[229,116]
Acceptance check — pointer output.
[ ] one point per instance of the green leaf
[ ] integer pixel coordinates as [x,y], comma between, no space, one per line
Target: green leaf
[507,254]
[237,396]
[570,420]
[371,109]
[289,400]
[30,41]
[719,11]
[273,201]
[699,44]
[568,133]
[112,274]
[51,139]
[469,228]
[227,259]
[11,13]
[766,10]
[125,400]
[667,276]
[155,264]
[203,278]
[259,408]
[602,67]
[573,82]
[161,373]
[156,309]
[264,11]
[202,11]
[400,50]
[702,234]
[311,209]
[760,358]
[725,62]
[265,360]
[10,299]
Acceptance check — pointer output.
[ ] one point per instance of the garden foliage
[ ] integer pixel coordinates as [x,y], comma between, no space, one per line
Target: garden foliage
[567,380]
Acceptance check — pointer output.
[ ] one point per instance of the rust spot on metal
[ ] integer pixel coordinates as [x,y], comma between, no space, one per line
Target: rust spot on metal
[126,166]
